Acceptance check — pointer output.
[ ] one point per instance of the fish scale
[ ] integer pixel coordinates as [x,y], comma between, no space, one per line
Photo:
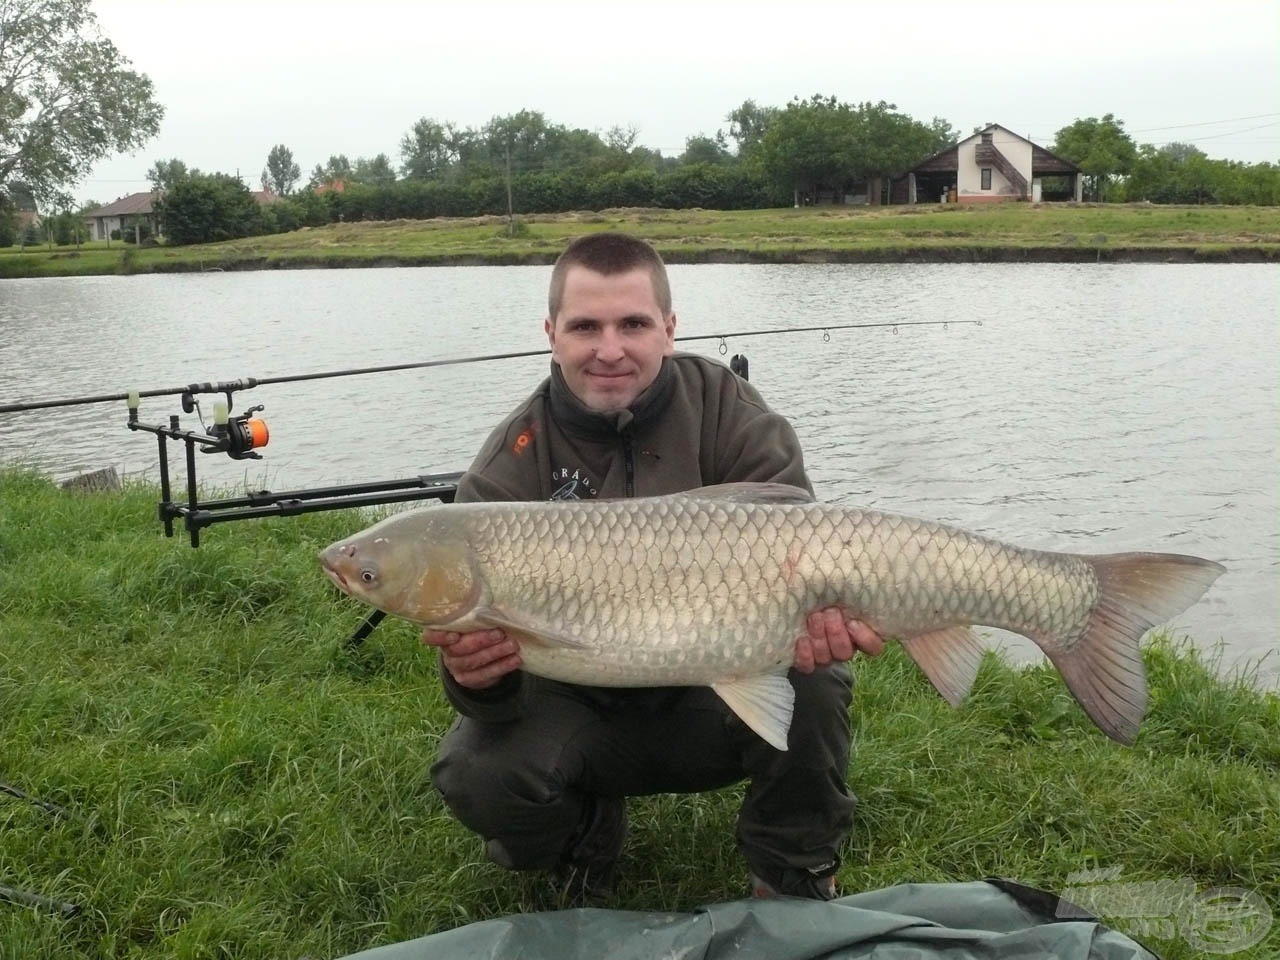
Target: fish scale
[713,587]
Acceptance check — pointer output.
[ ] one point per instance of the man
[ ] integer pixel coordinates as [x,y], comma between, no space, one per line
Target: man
[541,769]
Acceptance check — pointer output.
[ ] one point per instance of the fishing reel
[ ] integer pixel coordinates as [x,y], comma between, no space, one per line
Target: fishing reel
[239,436]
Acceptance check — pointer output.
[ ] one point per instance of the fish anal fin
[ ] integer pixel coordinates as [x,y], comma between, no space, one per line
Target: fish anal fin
[1103,668]
[763,702]
[949,657]
[751,492]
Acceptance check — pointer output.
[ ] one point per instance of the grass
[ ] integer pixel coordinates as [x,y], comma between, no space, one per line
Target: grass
[961,232]
[237,784]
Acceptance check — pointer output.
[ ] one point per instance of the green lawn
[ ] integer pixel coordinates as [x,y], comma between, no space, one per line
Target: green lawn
[238,784]
[974,232]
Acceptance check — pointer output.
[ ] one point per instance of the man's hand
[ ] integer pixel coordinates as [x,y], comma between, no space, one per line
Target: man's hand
[476,660]
[831,639]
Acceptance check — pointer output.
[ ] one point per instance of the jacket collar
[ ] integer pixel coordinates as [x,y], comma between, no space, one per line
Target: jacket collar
[576,417]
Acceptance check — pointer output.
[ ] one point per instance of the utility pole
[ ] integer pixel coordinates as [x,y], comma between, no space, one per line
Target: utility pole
[511,223]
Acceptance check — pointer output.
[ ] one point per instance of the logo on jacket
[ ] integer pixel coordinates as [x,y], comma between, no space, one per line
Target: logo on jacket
[574,485]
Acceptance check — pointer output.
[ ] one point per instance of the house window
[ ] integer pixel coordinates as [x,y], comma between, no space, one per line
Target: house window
[986,178]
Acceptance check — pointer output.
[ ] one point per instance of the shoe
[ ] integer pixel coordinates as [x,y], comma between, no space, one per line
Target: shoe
[810,884]
[586,874]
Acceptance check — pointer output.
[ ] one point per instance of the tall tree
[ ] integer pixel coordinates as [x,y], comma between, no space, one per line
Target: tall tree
[67,95]
[338,167]
[748,124]
[375,171]
[165,173]
[428,150]
[1100,148]
[281,172]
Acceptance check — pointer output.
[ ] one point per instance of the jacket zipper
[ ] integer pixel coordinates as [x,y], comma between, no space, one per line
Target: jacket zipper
[629,466]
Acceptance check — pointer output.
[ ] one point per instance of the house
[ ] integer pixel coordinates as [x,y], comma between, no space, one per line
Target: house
[994,164]
[138,209]
[127,213]
[24,205]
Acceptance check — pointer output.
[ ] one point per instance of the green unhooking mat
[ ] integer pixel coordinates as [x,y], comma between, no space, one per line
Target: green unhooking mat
[958,921]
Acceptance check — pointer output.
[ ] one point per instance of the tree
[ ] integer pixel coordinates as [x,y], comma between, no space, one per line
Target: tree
[209,207]
[886,142]
[375,171]
[281,172]
[428,150]
[748,125]
[1100,148]
[809,146]
[337,168]
[67,97]
[704,149]
[165,173]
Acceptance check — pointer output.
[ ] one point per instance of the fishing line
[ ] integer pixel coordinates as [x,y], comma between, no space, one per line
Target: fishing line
[229,387]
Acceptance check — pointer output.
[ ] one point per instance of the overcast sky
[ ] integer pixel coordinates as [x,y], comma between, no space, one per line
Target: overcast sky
[237,77]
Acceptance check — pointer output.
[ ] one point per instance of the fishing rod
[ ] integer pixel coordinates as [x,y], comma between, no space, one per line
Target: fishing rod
[239,436]
[228,387]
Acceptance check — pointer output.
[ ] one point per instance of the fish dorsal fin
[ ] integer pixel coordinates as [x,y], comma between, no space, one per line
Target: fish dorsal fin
[764,703]
[527,631]
[752,493]
[950,658]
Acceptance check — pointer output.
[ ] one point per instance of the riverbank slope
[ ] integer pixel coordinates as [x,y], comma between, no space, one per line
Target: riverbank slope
[1008,232]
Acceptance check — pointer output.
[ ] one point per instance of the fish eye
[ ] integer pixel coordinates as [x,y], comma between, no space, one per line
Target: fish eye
[368,575]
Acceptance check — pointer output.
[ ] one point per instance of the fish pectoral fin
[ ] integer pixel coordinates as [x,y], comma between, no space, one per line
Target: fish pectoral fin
[950,658]
[763,702]
[754,492]
[528,631]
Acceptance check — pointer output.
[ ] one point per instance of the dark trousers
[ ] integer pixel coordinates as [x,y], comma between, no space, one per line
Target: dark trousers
[525,783]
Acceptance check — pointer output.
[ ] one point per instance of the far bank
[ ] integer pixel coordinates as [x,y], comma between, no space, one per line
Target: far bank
[1001,233]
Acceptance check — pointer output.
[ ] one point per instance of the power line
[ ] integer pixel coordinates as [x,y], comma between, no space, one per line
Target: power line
[1210,123]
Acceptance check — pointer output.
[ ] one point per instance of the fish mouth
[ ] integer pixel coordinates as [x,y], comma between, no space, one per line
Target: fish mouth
[337,577]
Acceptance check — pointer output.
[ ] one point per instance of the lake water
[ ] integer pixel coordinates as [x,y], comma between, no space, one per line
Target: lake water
[1098,408]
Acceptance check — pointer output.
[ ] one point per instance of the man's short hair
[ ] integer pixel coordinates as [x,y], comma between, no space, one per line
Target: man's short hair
[609,254]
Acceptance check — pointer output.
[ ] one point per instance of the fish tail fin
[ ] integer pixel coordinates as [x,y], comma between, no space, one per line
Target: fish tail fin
[1103,669]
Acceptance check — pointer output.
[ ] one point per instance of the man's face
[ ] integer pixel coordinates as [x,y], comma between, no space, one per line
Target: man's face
[610,336]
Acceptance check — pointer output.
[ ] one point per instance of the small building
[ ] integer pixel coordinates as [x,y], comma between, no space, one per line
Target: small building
[127,213]
[994,164]
[24,205]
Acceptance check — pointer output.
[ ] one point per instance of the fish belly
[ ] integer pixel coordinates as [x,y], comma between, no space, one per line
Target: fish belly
[691,591]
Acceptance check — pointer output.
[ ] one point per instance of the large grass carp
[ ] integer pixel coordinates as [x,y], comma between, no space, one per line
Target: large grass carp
[712,587]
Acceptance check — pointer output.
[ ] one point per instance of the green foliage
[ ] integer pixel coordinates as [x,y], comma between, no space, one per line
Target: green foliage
[8,222]
[702,149]
[67,228]
[821,144]
[1182,173]
[166,174]
[748,124]
[209,207]
[337,168]
[69,97]
[281,172]
[375,171]
[1100,148]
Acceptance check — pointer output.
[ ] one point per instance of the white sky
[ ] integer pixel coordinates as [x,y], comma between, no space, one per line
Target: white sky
[237,77]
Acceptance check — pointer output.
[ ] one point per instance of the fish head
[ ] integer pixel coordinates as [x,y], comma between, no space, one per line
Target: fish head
[416,565]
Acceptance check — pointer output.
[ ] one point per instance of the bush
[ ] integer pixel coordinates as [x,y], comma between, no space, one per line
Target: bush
[133,234]
[208,208]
